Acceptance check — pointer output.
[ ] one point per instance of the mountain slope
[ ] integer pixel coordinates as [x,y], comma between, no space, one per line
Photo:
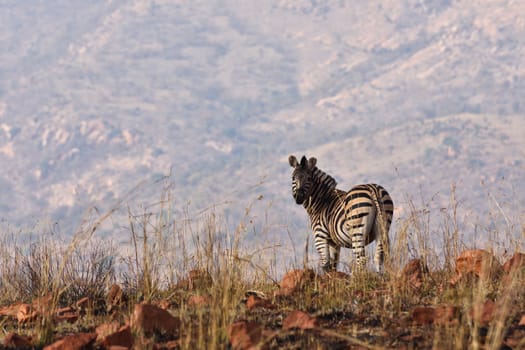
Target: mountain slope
[95,98]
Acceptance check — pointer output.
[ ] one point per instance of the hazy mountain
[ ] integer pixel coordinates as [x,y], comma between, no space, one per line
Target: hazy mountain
[97,96]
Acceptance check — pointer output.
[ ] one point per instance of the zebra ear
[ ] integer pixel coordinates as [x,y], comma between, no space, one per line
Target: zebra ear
[293,161]
[312,162]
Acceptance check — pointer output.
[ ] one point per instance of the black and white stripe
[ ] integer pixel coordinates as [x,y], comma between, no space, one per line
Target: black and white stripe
[338,219]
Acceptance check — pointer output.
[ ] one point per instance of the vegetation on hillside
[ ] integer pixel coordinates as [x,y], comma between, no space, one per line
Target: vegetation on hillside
[220,291]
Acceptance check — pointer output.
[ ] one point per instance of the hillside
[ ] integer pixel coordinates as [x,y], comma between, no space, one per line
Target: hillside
[420,96]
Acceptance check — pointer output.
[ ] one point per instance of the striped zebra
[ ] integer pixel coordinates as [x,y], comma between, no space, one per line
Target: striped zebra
[338,219]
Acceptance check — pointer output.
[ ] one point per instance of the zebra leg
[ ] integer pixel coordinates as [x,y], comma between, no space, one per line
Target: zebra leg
[360,234]
[379,256]
[334,255]
[382,246]
[322,245]
[358,248]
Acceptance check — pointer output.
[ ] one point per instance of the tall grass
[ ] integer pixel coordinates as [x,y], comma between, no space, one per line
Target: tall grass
[160,252]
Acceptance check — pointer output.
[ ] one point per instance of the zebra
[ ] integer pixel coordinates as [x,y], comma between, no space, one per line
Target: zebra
[338,219]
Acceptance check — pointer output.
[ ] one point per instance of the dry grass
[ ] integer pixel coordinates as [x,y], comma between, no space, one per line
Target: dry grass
[366,310]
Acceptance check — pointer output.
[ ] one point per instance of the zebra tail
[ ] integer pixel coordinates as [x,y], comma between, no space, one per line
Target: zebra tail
[381,220]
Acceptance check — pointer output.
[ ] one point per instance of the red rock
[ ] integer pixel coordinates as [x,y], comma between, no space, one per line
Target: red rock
[106,329]
[199,301]
[69,317]
[84,304]
[115,297]
[301,320]
[422,315]
[515,263]
[40,306]
[64,310]
[410,338]
[43,305]
[244,335]
[294,281]
[163,304]
[445,314]
[484,312]
[79,341]
[476,262]
[441,314]
[412,273]
[26,314]
[522,321]
[171,345]
[13,340]
[120,337]
[197,279]
[254,302]
[10,310]
[147,318]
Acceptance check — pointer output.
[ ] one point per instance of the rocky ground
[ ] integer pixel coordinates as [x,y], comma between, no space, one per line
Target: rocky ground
[481,304]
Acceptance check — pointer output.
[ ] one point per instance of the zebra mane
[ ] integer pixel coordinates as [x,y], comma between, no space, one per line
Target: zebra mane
[324,179]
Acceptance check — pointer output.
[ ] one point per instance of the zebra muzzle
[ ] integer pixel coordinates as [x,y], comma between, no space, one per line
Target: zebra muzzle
[299,197]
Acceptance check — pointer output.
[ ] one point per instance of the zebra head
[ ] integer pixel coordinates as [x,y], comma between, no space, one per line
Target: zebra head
[302,177]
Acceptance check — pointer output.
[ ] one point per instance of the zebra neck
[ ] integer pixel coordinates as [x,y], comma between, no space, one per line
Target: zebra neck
[322,192]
